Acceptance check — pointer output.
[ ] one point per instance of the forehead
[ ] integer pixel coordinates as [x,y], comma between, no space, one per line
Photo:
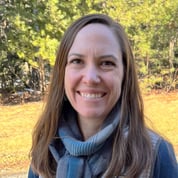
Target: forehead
[96,29]
[96,35]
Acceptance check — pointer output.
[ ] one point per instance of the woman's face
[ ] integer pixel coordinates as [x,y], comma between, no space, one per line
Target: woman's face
[94,72]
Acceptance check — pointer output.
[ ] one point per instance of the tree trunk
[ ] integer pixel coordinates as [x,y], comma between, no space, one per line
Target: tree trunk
[42,75]
[171,66]
[171,52]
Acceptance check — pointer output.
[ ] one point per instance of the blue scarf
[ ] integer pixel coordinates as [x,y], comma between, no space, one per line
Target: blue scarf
[84,159]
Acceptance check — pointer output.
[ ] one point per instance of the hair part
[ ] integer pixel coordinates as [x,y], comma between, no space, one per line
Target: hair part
[132,151]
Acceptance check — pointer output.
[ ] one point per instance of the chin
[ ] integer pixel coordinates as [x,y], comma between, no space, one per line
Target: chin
[93,115]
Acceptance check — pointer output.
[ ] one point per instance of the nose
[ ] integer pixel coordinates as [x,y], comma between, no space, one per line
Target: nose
[91,75]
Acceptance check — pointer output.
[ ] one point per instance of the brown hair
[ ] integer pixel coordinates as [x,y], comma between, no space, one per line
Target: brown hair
[134,151]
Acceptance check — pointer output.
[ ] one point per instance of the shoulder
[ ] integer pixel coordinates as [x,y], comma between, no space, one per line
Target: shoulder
[31,174]
[165,164]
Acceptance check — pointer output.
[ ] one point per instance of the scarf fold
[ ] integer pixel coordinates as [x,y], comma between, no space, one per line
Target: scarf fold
[84,159]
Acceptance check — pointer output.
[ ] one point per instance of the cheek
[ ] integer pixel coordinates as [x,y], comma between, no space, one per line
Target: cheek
[70,80]
[116,86]
[67,80]
[117,89]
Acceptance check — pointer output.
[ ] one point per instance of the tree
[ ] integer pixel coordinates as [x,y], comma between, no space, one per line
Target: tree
[152,29]
[36,28]
[31,31]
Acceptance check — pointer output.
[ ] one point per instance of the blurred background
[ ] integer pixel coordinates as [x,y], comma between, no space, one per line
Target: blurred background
[30,32]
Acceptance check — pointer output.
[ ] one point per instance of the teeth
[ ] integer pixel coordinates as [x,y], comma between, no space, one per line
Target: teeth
[89,95]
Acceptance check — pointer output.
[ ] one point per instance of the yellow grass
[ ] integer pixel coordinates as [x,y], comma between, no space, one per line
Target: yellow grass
[16,124]
[162,113]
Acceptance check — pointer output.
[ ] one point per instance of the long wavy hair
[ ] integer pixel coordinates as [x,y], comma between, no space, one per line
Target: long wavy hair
[132,152]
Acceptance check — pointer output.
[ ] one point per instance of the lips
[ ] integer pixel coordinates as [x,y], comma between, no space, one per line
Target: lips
[91,95]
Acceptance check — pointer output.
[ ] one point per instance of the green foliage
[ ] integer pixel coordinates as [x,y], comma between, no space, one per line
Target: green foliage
[12,74]
[31,30]
[152,29]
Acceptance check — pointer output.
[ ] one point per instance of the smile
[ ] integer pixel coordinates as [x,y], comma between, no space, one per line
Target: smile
[92,95]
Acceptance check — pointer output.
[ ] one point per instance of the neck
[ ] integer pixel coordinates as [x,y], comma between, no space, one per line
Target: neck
[89,126]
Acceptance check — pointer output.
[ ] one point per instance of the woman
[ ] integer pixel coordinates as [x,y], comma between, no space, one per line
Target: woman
[93,123]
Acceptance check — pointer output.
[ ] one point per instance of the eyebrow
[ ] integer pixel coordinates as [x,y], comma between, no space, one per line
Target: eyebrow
[75,54]
[99,57]
[107,56]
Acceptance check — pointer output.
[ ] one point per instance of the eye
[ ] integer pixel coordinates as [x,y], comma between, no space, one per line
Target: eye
[75,61]
[107,64]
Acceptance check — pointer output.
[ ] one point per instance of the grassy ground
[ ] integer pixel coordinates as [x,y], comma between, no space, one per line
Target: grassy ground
[16,123]
[162,116]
